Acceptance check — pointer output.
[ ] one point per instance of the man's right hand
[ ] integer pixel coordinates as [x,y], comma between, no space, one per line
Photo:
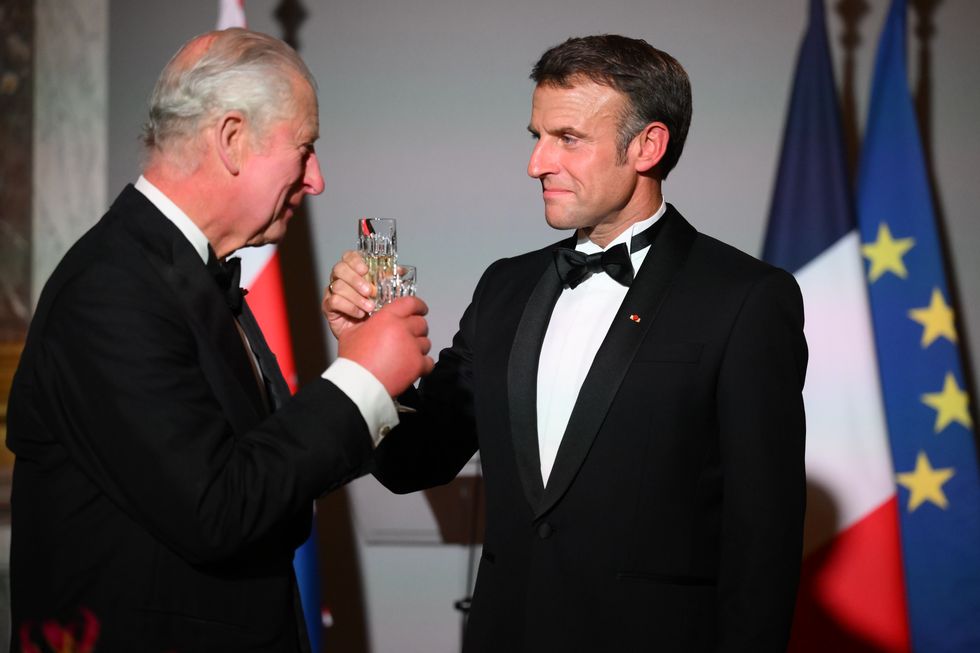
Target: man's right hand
[392,345]
[349,298]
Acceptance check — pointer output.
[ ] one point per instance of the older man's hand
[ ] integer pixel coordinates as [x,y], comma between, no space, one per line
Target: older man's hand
[392,345]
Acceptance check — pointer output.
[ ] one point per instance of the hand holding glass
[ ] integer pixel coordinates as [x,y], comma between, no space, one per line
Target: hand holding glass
[377,243]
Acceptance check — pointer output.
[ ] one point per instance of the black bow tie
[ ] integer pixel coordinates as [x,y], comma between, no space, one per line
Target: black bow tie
[227,274]
[574,267]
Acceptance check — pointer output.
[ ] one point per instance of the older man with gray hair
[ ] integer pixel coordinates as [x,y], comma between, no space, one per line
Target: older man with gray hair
[163,476]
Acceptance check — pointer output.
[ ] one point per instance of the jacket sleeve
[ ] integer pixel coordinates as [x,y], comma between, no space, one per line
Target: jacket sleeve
[762,435]
[121,379]
[430,447]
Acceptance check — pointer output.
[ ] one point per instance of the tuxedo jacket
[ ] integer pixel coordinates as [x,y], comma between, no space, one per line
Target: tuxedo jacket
[672,519]
[154,494]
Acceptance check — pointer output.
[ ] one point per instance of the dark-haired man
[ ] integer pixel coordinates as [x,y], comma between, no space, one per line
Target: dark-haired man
[642,435]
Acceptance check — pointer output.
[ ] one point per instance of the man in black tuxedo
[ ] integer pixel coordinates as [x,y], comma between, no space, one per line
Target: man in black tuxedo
[642,436]
[163,476]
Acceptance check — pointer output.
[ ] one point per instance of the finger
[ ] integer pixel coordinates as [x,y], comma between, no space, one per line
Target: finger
[427,365]
[344,272]
[424,345]
[417,326]
[352,258]
[405,306]
[342,289]
[336,305]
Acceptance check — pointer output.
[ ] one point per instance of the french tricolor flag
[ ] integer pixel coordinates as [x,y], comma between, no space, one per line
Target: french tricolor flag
[851,588]
[892,552]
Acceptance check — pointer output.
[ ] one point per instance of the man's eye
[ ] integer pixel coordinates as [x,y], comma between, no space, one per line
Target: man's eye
[568,139]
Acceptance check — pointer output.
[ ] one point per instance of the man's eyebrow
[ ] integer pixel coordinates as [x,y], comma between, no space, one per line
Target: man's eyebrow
[571,131]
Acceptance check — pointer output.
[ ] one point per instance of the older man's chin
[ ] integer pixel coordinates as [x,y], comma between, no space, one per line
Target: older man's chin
[275,231]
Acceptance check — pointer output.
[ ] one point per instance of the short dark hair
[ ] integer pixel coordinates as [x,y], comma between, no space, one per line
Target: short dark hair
[656,86]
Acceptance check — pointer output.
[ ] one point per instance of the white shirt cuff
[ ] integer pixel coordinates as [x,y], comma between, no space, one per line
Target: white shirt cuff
[367,393]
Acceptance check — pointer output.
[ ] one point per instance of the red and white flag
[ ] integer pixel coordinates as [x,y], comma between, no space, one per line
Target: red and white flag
[261,273]
[231,13]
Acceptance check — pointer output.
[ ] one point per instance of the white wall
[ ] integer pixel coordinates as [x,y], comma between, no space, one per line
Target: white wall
[423,112]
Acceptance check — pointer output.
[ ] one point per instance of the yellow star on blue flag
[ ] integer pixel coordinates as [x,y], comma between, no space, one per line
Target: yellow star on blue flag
[925,483]
[886,253]
[952,404]
[936,319]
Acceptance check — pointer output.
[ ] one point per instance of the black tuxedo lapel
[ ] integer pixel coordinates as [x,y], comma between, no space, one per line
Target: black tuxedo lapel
[180,266]
[275,383]
[522,378]
[616,353]
[206,306]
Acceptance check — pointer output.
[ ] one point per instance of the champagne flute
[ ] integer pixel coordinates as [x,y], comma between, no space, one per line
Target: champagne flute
[399,284]
[377,243]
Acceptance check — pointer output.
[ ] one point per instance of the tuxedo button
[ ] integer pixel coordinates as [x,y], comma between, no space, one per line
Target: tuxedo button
[545,531]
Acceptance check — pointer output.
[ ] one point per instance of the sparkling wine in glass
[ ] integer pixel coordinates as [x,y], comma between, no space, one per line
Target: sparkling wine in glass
[377,243]
[399,284]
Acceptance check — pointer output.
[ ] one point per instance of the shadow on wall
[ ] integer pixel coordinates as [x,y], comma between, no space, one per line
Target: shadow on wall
[341,589]
[819,623]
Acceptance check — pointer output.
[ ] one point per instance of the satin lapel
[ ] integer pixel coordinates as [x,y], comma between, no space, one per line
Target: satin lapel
[616,353]
[522,379]
[197,290]
[176,261]
[268,364]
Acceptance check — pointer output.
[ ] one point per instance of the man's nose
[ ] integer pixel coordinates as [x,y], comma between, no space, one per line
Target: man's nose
[542,161]
[313,178]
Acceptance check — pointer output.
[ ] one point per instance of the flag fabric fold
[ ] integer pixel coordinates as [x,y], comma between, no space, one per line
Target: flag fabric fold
[851,595]
[928,410]
[231,13]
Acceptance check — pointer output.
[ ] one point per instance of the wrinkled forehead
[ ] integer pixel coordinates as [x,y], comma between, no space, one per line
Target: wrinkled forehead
[307,107]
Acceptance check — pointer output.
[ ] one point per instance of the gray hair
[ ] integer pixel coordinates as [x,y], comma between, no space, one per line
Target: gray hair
[239,70]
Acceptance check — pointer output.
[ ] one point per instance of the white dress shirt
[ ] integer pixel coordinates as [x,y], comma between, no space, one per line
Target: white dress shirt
[367,393]
[578,325]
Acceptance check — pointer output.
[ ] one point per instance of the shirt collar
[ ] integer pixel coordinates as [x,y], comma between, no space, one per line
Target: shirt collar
[583,244]
[173,213]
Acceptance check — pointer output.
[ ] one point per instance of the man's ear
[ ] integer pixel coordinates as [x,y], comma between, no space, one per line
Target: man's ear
[651,143]
[231,139]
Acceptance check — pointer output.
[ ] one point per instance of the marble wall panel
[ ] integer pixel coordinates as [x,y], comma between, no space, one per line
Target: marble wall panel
[16,105]
[70,127]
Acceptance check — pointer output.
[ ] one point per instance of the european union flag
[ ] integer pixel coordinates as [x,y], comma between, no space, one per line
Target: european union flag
[926,402]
